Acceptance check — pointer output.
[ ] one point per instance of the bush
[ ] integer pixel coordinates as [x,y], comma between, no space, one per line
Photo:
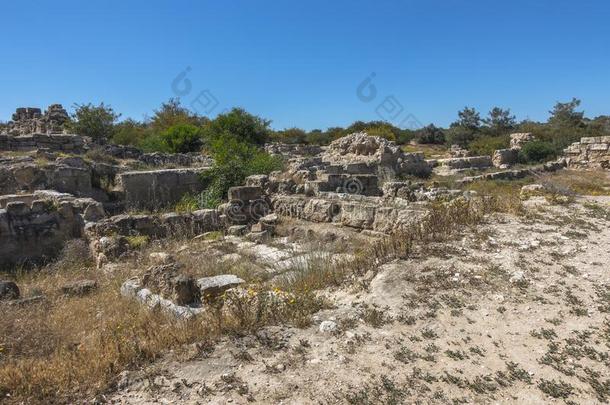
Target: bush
[536,151]
[153,143]
[234,160]
[459,135]
[96,122]
[486,145]
[173,113]
[430,134]
[130,132]
[240,124]
[290,135]
[183,138]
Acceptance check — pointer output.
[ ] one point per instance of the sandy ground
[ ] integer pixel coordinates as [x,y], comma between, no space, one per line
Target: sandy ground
[515,311]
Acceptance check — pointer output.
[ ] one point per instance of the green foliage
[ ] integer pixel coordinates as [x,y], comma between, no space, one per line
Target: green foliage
[382,131]
[537,151]
[153,143]
[465,129]
[172,113]
[499,121]
[290,135]
[486,145]
[458,135]
[564,115]
[183,138]
[130,132]
[240,124]
[430,134]
[96,122]
[234,160]
[468,118]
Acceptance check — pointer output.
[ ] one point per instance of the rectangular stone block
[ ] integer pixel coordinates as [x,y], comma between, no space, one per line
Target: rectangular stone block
[245,193]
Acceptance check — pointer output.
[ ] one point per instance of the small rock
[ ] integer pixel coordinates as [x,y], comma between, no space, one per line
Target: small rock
[216,285]
[161,258]
[8,291]
[79,288]
[328,327]
[237,230]
[517,277]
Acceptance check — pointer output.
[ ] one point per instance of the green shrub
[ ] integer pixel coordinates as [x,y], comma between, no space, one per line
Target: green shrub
[153,143]
[430,134]
[130,132]
[240,124]
[486,145]
[96,122]
[183,138]
[537,151]
[234,160]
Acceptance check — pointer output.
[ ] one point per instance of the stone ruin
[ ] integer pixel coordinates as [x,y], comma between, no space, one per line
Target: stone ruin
[358,181]
[589,153]
[31,120]
[504,158]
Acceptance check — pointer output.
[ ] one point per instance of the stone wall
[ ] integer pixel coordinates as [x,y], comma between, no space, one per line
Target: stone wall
[365,213]
[156,226]
[383,155]
[53,142]
[29,120]
[589,153]
[465,163]
[285,149]
[156,158]
[27,175]
[517,173]
[34,230]
[159,188]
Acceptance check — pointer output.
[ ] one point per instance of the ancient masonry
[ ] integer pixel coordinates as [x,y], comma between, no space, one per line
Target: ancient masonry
[592,152]
[33,121]
[49,194]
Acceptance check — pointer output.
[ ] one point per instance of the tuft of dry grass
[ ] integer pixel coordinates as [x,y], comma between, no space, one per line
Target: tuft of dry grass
[594,182]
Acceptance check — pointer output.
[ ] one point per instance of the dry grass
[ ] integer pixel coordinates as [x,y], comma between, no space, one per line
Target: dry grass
[594,183]
[68,349]
[429,150]
[500,195]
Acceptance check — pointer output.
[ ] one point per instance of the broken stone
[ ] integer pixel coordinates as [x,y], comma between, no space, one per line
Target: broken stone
[258,237]
[79,288]
[184,290]
[161,258]
[245,193]
[517,140]
[531,190]
[9,291]
[237,230]
[211,287]
[328,327]
[504,158]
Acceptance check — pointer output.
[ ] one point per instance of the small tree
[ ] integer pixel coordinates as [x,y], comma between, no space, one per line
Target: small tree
[96,122]
[172,113]
[129,132]
[430,134]
[466,128]
[183,138]
[500,121]
[564,115]
[239,124]
[468,118]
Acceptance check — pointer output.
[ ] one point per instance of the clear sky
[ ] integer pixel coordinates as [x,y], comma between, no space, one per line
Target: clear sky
[301,63]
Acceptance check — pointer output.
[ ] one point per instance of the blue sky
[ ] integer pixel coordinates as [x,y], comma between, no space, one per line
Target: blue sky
[300,63]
